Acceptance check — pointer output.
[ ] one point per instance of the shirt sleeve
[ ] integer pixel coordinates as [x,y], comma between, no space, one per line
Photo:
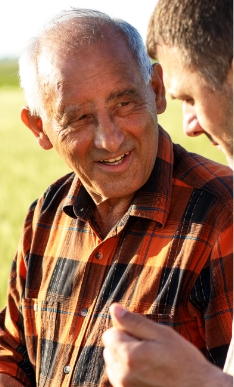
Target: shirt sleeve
[14,359]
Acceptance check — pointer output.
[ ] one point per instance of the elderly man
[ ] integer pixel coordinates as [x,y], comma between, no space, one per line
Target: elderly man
[139,221]
[193,41]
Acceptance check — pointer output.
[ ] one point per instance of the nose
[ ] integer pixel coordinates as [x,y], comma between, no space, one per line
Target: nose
[191,125]
[108,134]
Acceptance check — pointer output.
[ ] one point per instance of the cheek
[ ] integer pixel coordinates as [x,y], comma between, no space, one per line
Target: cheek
[149,145]
[145,125]
[151,132]
[74,143]
[210,114]
[152,147]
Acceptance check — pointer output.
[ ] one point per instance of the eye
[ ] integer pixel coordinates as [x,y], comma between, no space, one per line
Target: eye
[122,104]
[189,101]
[85,116]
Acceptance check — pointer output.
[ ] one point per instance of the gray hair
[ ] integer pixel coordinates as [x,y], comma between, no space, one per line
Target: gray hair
[84,26]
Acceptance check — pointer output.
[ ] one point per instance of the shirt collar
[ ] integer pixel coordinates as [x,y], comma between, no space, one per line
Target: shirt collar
[151,201]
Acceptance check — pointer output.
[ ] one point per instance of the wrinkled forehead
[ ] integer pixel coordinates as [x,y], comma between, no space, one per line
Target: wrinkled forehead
[58,61]
[63,71]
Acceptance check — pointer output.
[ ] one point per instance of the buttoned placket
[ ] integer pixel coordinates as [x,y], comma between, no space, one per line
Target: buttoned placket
[85,313]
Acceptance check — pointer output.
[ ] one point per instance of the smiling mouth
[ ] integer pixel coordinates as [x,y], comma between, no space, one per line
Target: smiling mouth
[116,161]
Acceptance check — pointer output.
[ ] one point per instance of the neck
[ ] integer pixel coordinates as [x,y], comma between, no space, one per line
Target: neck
[109,213]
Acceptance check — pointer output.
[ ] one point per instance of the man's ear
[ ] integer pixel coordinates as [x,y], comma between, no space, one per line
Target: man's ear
[34,123]
[158,87]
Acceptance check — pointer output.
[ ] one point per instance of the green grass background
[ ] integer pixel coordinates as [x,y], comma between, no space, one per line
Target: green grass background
[26,170]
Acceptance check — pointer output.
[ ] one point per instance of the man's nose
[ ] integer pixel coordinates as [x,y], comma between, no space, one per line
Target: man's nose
[108,134]
[191,125]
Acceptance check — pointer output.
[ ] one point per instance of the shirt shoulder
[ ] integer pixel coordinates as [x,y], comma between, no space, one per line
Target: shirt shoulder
[56,193]
[201,173]
[51,199]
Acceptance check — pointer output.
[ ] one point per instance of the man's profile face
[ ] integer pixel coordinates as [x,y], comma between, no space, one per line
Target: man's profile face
[104,120]
[204,111]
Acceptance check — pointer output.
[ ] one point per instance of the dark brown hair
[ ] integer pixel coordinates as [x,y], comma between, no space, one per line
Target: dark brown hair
[201,29]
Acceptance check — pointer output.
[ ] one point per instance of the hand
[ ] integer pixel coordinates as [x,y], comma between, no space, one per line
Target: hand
[8,381]
[141,353]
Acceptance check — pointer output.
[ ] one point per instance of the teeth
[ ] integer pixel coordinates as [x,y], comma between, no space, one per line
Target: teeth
[116,161]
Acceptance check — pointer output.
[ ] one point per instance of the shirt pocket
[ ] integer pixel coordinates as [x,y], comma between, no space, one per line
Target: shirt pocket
[49,315]
[29,309]
[162,318]
[158,314]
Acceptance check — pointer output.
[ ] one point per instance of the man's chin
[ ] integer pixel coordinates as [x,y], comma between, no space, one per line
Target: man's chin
[228,156]
[230,162]
[221,149]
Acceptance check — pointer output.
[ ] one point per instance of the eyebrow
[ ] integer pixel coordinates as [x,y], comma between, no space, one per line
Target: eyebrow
[122,93]
[179,96]
[171,95]
[68,110]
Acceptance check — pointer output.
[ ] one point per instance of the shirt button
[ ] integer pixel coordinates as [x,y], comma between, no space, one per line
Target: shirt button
[84,312]
[67,369]
[99,255]
[35,307]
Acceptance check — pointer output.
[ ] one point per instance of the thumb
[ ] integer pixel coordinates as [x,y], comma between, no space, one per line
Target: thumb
[135,324]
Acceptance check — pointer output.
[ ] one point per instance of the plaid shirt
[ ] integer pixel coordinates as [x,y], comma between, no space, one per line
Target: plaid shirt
[169,258]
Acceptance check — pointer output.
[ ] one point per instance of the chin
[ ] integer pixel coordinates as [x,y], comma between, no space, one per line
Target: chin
[230,162]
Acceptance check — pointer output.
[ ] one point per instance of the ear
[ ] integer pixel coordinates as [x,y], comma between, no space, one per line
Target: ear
[158,87]
[34,123]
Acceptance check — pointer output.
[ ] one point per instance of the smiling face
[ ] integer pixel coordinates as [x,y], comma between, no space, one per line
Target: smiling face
[204,111]
[101,118]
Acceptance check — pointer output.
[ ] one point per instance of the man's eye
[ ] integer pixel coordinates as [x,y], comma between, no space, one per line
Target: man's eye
[84,117]
[189,101]
[124,103]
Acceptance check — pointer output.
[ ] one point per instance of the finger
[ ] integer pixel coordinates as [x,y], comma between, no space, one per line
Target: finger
[116,368]
[115,382]
[137,325]
[108,358]
[114,337]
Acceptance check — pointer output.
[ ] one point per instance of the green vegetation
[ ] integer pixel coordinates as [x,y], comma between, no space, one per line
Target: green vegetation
[9,73]
[26,170]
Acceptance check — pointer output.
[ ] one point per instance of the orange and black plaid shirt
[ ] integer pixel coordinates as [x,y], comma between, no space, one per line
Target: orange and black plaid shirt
[169,258]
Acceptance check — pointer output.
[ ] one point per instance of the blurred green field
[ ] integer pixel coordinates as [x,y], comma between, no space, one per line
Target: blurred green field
[26,170]
[8,73]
